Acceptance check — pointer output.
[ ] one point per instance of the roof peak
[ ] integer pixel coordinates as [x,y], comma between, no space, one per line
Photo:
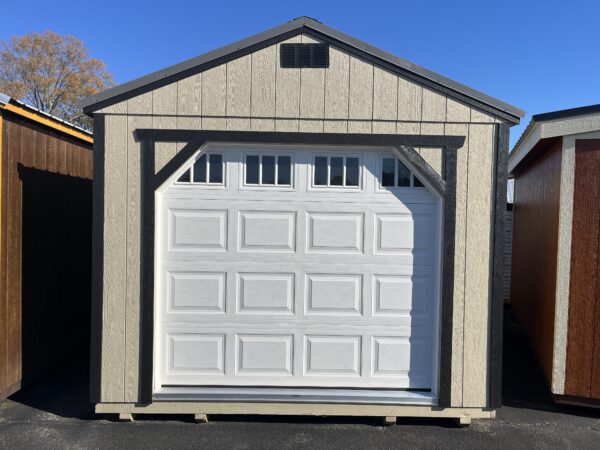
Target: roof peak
[303,24]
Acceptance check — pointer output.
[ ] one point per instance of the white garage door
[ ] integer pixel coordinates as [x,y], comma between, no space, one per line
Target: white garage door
[291,267]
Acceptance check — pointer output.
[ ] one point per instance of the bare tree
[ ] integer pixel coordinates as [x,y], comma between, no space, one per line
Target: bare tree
[51,72]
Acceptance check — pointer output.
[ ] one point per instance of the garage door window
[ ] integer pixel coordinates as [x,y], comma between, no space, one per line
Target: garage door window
[268,170]
[336,171]
[208,169]
[395,174]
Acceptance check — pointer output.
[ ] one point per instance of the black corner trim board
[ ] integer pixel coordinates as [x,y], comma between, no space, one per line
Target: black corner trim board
[97,261]
[151,181]
[497,262]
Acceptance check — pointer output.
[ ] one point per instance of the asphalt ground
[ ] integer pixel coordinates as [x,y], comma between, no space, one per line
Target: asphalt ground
[55,413]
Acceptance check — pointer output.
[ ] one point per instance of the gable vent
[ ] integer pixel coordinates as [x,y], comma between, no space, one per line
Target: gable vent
[304,55]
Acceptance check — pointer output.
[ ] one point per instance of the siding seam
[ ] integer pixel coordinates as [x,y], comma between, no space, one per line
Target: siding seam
[464,300]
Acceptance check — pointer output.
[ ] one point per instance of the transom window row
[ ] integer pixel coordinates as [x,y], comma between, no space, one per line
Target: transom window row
[208,169]
[268,170]
[336,171]
[395,174]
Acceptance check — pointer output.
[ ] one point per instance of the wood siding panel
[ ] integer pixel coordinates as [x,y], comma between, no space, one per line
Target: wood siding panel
[477,272]
[434,106]
[264,72]
[410,96]
[582,375]
[39,209]
[189,97]
[361,90]
[535,247]
[287,90]
[14,143]
[115,259]
[385,95]
[337,79]
[132,301]
[460,232]
[239,84]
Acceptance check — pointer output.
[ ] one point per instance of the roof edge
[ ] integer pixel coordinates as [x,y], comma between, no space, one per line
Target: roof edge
[281,32]
[29,112]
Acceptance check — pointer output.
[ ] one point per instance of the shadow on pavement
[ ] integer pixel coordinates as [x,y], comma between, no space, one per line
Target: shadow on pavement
[65,391]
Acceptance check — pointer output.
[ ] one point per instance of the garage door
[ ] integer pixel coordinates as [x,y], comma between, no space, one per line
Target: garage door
[295,267]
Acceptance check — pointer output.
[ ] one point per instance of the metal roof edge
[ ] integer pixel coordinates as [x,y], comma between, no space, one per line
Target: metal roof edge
[566,113]
[113,95]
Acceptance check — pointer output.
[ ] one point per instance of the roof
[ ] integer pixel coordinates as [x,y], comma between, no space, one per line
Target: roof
[564,122]
[42,118]
[292,28]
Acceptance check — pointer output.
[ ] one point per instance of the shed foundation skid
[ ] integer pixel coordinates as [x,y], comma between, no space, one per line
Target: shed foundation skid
[464,415]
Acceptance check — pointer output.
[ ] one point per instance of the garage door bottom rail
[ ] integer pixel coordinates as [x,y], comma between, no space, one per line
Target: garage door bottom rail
[295,395]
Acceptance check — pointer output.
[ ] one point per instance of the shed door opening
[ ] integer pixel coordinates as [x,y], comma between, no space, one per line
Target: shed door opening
[297,268]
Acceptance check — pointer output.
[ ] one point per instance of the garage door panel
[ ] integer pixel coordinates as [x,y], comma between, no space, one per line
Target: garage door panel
[269,231]
[199,229]
[302,358]
[296,287]
[265,293]
[339,232]
[200,292]
[334,294]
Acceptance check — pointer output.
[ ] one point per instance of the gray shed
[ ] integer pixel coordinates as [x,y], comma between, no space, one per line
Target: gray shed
[298,223]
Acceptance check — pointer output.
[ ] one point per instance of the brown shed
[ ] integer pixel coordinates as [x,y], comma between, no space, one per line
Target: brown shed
[45,242]
[555,289]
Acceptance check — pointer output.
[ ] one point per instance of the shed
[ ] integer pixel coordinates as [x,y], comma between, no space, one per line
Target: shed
[298,223]
[45,242]
[555,289]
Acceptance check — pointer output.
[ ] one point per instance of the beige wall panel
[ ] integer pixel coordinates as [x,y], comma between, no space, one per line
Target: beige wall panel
[189,96]
[385,95]
[164,151]
[239,82]
[459,263]
[264,69]
[117,108]
[457,112]
[287,89]
[409,100]
[477,265]
[164,100]
[262,124]
[311,126]
[214,123]
[312,90]
[360,126]
[434,106]
[187,123]
[480,117]
[361,90]
[286,125]
[141,104]
[408,128]
[132,302]
[214,91]
[115,259]
[337,79]
[435,129]
[312,93]
[384,127]
[335,126]
[234,124]
[433,156]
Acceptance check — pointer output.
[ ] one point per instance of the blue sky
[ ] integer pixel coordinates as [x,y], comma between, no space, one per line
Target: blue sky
[539,55]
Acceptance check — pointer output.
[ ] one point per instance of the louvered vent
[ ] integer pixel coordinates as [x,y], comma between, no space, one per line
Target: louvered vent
[304,55]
